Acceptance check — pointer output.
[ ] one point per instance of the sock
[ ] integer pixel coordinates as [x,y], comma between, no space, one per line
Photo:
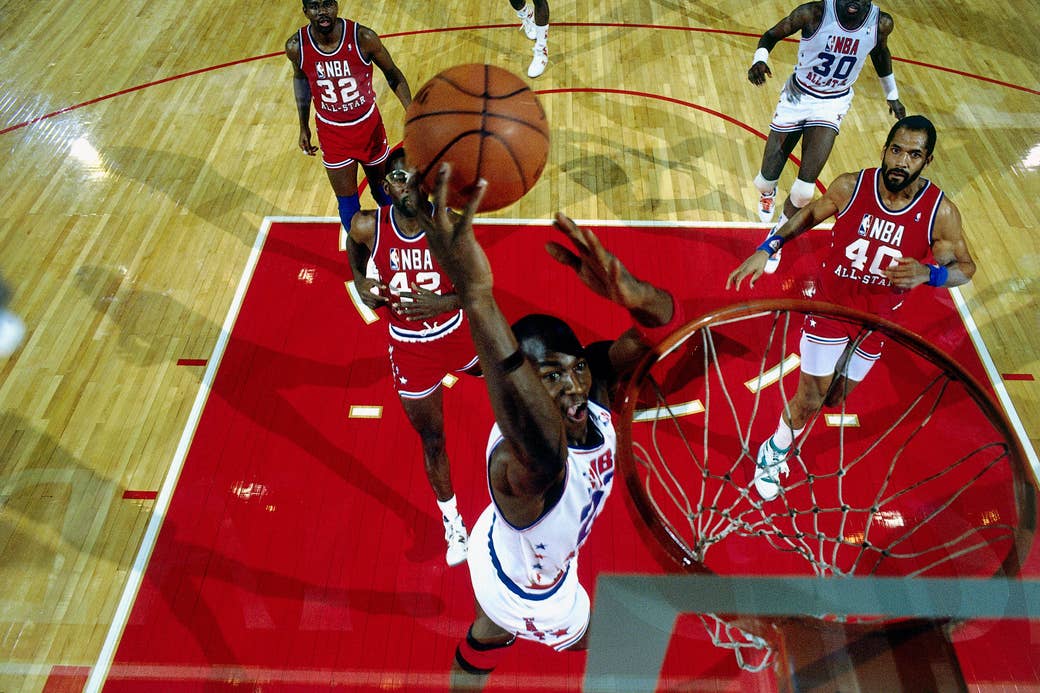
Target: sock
[541,34]
[448,508]
[764,186]
[348,207]
[379,195]
[526,13]
[784,436]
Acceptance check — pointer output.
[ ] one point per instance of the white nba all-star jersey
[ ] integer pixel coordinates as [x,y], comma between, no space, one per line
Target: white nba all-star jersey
[532,561]
[830,60]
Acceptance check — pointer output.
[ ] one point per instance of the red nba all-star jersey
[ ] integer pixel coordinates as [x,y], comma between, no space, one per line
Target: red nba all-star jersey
[341,81]
[405,260]
[867,237]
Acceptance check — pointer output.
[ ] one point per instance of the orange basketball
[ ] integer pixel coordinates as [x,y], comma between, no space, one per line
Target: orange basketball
[488,124]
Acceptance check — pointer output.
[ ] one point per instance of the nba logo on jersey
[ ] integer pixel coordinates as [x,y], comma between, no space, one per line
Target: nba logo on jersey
[321,70]
[864,224]
[395,265]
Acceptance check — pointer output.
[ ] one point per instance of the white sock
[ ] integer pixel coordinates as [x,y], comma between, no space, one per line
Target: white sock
[765,186]
[448,508]
[784,436]
[526,12]
[541,34]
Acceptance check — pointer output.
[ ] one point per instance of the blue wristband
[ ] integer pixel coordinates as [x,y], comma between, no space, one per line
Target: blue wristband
[772,244]
[937,275]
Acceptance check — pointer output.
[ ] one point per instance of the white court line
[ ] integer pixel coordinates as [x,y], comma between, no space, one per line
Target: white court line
[366,313]
[665,412]
[772,376]
[996,381]
[99,672]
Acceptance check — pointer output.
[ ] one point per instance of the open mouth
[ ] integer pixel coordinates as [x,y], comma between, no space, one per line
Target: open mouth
[578,413]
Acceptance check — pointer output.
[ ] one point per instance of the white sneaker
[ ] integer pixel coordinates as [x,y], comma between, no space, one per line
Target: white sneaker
[457,539]
[766,206]
[773,262]
[771,464]
[12,332]
[526,16]
[541,59]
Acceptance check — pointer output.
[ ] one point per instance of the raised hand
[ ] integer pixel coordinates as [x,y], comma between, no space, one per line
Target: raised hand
[596,266]
[451,237]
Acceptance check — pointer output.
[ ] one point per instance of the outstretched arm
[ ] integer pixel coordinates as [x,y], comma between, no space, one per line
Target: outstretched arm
[881,57]
[302,95]
[531,423]
[601,271]
[814,213]
[802,17]
[373,49]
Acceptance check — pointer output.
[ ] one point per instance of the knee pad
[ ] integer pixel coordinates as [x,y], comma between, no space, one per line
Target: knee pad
[764,186]
[348,207]
[480,658]
[801,193]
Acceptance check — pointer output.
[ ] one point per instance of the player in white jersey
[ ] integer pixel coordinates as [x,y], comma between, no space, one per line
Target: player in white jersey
[551,453]
[836,38]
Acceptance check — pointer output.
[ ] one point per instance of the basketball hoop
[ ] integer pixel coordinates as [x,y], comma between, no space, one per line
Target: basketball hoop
[918,473]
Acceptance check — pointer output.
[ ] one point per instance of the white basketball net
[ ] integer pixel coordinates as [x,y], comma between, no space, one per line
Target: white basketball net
[896,503]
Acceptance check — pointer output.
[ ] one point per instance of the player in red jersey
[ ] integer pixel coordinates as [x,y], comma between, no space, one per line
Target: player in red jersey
[332,62]
[887,221]
[429,336]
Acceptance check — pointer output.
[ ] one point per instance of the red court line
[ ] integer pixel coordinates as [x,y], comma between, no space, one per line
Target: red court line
[192,362]
[140,495]
[474,27]
[66,679]
[1017,376]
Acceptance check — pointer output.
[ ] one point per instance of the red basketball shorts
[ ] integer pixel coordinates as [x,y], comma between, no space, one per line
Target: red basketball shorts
[418,367]
[364,142]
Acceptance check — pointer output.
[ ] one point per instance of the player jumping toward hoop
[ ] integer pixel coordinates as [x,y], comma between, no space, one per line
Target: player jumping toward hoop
[550,456]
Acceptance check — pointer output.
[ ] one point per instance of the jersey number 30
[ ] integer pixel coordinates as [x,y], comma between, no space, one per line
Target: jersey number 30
[842,70]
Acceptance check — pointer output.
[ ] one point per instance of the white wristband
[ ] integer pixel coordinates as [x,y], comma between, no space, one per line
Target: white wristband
[888,83]
[761,56]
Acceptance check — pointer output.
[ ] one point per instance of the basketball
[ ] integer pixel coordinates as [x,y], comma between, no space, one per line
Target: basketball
[488,124]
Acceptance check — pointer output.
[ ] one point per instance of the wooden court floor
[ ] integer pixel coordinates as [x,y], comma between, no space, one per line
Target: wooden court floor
[143,144]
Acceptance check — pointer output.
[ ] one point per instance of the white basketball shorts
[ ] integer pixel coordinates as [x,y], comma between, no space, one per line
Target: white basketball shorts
[558,621]
[797,110]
